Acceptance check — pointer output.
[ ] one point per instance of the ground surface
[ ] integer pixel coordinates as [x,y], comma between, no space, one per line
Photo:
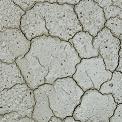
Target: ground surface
[60,60]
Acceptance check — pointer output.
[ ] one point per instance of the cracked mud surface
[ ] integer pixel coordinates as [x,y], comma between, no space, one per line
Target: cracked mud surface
[60,61]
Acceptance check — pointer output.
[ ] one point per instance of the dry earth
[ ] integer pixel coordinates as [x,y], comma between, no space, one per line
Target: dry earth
[60,60]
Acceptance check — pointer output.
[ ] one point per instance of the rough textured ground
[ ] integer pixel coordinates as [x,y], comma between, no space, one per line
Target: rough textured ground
[60,60]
